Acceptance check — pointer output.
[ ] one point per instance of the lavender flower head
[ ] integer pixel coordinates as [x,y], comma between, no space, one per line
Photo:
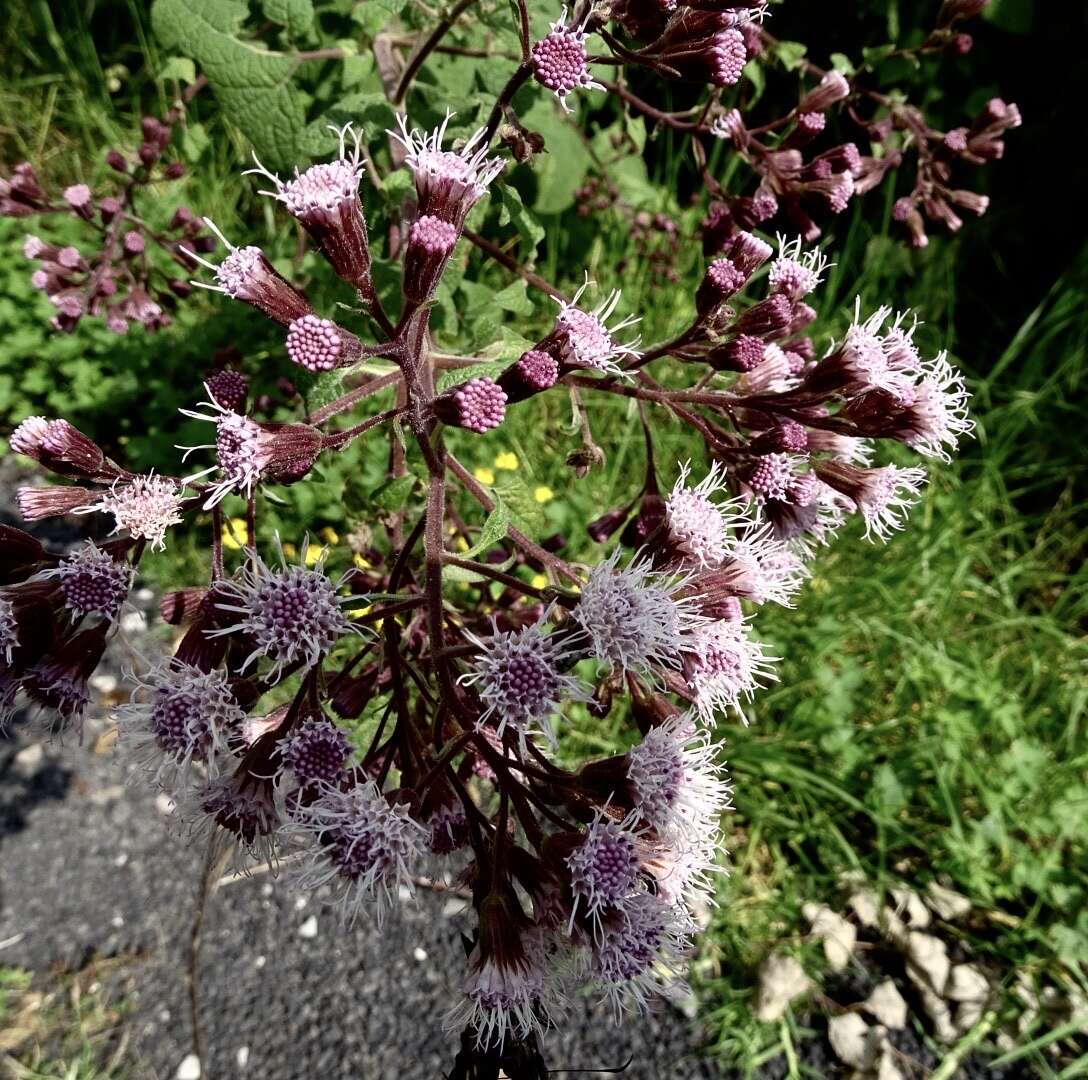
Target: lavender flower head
[639,953]
[796,273]
[560,61]
[186,715]
[291,614]
[316,751]
[448,183]
[361,846]
[92,582]
[677,779]
[725,665]
[630,618]
[604,868]
[521,680]
[584,338]
[698,526]
[145,507]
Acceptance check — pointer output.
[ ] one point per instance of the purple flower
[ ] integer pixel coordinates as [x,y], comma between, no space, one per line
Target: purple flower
[315,751]
[477,405]
[448,183]
[92,582]
[795,273]
[699,527]
[145,507]
[583,338]
[724,665]
[320,345]
[882,496]
[560,62]
[604,868]
[521,680]
[361,846]
[292,614]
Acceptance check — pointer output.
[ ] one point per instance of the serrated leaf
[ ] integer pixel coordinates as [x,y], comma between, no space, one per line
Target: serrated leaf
[494,529]
[253,85]
[486,369]
[326,387]
[525,512]
[514,212]
[295,16]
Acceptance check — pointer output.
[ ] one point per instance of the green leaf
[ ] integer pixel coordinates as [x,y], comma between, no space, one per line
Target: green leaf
[514,213]
[194,141]
[326,387]
[486,369]
[525,512]
[876,53]
[493,531]
[514,298]
[789,53]
[295,16]
[842,62]
[180,68]
[393,494]
[253,85]
[562,167]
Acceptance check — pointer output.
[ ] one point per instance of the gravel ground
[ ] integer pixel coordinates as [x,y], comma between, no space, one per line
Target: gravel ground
[93,868]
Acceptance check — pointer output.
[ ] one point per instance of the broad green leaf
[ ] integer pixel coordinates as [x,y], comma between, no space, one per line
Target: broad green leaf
[843,63]
[393,494]
[486,369]
[525,512]
[514,298]
[562,167]
[295,16]
[252,84]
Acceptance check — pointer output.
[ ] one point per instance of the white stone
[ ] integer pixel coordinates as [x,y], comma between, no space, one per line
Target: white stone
[781,980]
[909,905]
[419,955]
[164,804]
[838,936]
[886,1068]
[29,760]
[850,1039]
[968,1013]
[133,622]
[300,902]
[967,983]
[242,1056]
[454,906]
[189,1069]
[928,955]
[106,795]
[260,962]
[103,683]
[936,1008]
[404,894]
[309,928]
[947,904]
[866,907]
[886,1004]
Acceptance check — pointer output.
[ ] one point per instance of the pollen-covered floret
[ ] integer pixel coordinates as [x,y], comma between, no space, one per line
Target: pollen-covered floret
[292,614]
[560,61]
[521,679]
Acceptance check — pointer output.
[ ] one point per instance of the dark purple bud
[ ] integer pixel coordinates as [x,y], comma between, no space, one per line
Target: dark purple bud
[52,501]
[430,243]
[148,153]
[749,253]
[600,529]
[787,437]
[133,242]
[743,353]
[109,208]
[721,280]
[174,171]
[533,373]
[183,217]
[229,389]
[116,161]
[718,227]
[769,319]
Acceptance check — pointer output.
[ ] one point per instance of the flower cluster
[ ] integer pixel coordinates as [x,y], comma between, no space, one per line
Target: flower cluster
[372,721]
[113,276]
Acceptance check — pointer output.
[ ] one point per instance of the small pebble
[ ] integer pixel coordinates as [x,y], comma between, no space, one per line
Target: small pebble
[309,928]
[189,1069]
